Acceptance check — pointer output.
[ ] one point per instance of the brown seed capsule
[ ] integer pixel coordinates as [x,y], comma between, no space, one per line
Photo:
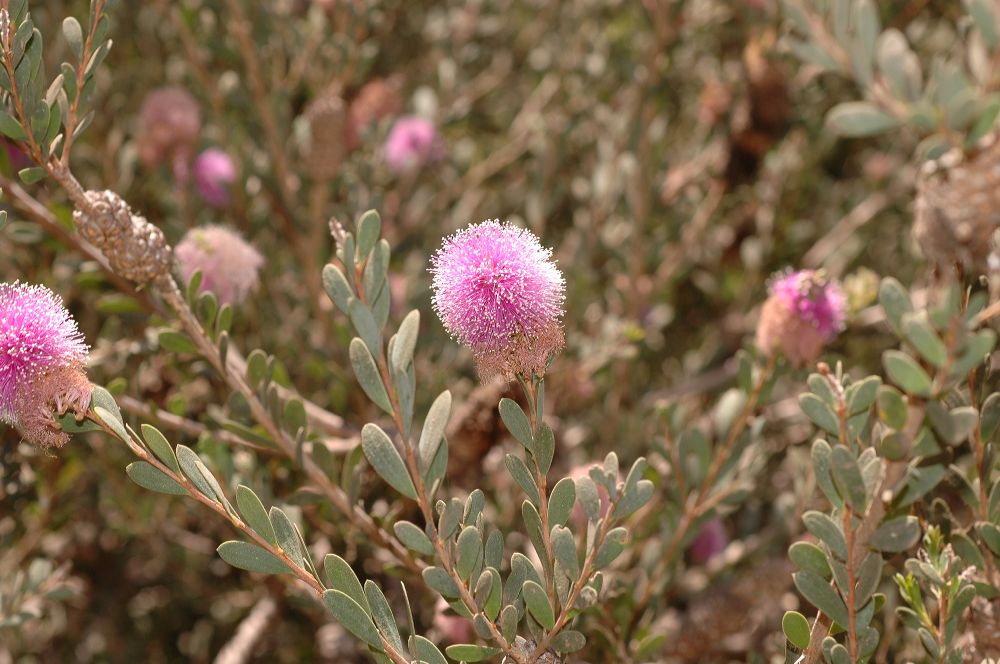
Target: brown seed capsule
[327,117]
[135,248]
[958,208]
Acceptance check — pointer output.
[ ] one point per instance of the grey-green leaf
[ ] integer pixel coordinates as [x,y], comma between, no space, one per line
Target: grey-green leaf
[149,477]
[561,501]
[854,119]
[434,426]
[341,577]
[368,375]
[254,513]
[821,595]
[517,422]
[354,619]
[382,615]
[827,530]
[386,460]
[538,604]
[413,537]
[251,557]
[906,373]
[564,547]
[896,535]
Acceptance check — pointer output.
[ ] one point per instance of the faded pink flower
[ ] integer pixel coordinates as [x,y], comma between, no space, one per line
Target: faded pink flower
[412,141]
[710,541]
[497,290]
[228,264]
[169,127]
[452,628]
[214,172]
[42,354]
[803,313]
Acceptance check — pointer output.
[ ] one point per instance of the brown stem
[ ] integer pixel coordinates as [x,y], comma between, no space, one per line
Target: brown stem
[852,632]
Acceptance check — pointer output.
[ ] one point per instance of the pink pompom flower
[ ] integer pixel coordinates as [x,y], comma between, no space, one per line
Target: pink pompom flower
[498,291]
[804,312]
[42,354]
[412,141]
[169,127]
[214,172]
[228,264]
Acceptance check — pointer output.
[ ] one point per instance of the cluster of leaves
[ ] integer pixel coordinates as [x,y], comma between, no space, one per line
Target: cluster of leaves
[953,104]
[894,444]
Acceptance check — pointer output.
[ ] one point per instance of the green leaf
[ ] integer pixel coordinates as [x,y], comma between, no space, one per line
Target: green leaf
[569,640]
[862,394]
[906,373]
[847,478]
[336,287]
[341,577]
[254,513]
[895,301]
[468,652]
[294,415]
[827,531]
[244,555]
[425,651]
[545,448]
[31,175]
[386,460]
[519,471]
[287,536]
[406,341]
[819,413]
[561,501]
[821,595]
[159,446]
[10,127]
[382,614]
[854,119]
[369,229]
[200,476]
[517,422]
[590,499]
[439,580]
[990,535]
[808,556]
[821,455]
[470,552]
[434,426]
[367,328]
[614,544]
[636,492]
[176,342]
[413,537]
[921,334]
[985,20]
[796,629]
[354,619]
[149,477]
[896,535]
[538,604]
[891,406]
[564,548]
[368,375]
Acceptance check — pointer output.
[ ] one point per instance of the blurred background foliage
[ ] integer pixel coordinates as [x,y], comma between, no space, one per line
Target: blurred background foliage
[674,154]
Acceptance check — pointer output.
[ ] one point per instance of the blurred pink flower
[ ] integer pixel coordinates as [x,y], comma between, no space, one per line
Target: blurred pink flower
[42,354]
[228,264]
[214,172]
[497,290]
[169,128]
[710,541]
[803,313]
[453,628]
[412,141]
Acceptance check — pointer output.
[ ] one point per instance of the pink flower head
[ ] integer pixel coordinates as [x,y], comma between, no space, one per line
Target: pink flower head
[803,313]
[228,264]
[412,141]
[169,127]
[497,290]
[710,541]
[41,357]
[214,172]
